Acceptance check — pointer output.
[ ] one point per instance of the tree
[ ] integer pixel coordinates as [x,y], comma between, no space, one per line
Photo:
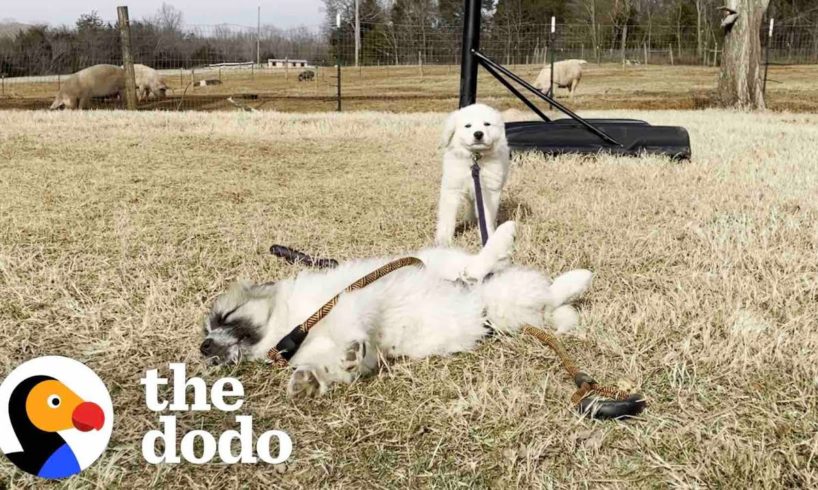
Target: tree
[168,18]
[741,77]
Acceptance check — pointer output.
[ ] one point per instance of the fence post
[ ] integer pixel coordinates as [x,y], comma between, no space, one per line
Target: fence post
[252,71]
[181,78]
[338,56]
[59,82]
[420,64]
[3,82]
[127,59]
[286,68]
[645,45]
[767,58]
[192,78]
[220,73]
[551,36]
[670,51]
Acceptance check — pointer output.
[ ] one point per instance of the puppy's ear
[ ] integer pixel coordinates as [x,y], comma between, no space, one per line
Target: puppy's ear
[448,130]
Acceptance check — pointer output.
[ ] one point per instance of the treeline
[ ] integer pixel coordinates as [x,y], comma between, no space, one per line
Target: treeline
[417,31]
[161,41]
[402,31]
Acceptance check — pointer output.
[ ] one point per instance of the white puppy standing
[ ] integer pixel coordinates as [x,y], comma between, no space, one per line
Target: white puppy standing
[473,130]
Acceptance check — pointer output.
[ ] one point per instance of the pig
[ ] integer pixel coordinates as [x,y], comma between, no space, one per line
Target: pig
[149,83]
[567,74]
[95,81]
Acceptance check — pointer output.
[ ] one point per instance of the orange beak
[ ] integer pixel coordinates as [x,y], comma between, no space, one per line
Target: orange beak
[88,416]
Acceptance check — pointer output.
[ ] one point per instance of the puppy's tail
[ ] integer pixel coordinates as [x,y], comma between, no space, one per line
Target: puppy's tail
[565,289]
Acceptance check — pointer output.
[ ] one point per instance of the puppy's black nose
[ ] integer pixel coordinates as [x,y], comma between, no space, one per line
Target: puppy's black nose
[478,135]
[207,347]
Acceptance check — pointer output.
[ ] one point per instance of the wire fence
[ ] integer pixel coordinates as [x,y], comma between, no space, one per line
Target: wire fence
[217,67]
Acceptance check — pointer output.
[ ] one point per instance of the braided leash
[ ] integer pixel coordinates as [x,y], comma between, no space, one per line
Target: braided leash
[620,405]
[286,348]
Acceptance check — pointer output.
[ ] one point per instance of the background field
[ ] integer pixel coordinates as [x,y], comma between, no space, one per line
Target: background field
[118,229]
[428,88]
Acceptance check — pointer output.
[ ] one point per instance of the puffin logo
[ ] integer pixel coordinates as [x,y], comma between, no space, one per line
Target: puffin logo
[56,417]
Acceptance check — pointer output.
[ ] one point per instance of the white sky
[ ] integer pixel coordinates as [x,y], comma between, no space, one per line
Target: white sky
[280,13]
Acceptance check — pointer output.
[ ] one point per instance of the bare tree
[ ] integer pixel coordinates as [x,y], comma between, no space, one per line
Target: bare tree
[168,18]
[741,77]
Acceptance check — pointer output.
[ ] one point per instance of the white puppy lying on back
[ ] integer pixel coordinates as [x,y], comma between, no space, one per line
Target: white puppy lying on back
[413,312]
[475,129]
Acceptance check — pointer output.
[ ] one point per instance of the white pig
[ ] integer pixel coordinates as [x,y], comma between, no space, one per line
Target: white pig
[567,74]
[95,81]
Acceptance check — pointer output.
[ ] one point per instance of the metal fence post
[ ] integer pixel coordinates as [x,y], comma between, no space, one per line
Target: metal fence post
[127,59]
[553,50]
[338,56]
[767,58]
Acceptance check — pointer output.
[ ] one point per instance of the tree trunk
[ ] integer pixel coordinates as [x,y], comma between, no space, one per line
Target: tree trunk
[699,8]
[741,78]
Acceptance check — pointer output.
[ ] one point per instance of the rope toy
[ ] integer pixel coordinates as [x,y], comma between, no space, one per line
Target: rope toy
[588,399]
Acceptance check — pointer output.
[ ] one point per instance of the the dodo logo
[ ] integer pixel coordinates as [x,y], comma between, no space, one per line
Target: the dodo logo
[56,417]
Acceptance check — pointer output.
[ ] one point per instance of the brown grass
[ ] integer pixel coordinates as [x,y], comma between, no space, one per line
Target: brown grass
[406,89]
[118,229]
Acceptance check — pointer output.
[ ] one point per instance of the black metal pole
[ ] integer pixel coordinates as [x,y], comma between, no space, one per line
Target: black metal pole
[484,60]
[471,43]
[511,88]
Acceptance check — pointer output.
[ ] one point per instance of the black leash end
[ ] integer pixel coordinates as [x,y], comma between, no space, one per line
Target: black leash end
[604,409]
[293,256]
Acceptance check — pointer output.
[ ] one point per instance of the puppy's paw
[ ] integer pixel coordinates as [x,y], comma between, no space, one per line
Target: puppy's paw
[305,382]
[354,358]
[444,239]
[501,243]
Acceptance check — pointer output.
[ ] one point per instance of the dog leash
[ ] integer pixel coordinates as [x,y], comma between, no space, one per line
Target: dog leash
[478,197]
[296,257]
[586,398]
[589,399]
[289,345]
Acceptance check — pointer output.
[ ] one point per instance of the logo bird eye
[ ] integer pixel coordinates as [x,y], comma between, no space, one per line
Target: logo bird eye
[468,125]
[486,124]
[54,401]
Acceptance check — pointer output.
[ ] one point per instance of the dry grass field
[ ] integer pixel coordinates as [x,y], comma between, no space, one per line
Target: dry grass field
[118,229]
[415,89]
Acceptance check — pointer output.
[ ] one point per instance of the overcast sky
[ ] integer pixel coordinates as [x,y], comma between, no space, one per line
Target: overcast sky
[280,13]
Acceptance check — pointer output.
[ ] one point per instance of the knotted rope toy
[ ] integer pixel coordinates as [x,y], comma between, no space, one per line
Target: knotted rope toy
[600,402]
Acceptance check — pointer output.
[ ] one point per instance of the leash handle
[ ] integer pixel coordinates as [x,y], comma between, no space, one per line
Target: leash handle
[478,198]
[293,256]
